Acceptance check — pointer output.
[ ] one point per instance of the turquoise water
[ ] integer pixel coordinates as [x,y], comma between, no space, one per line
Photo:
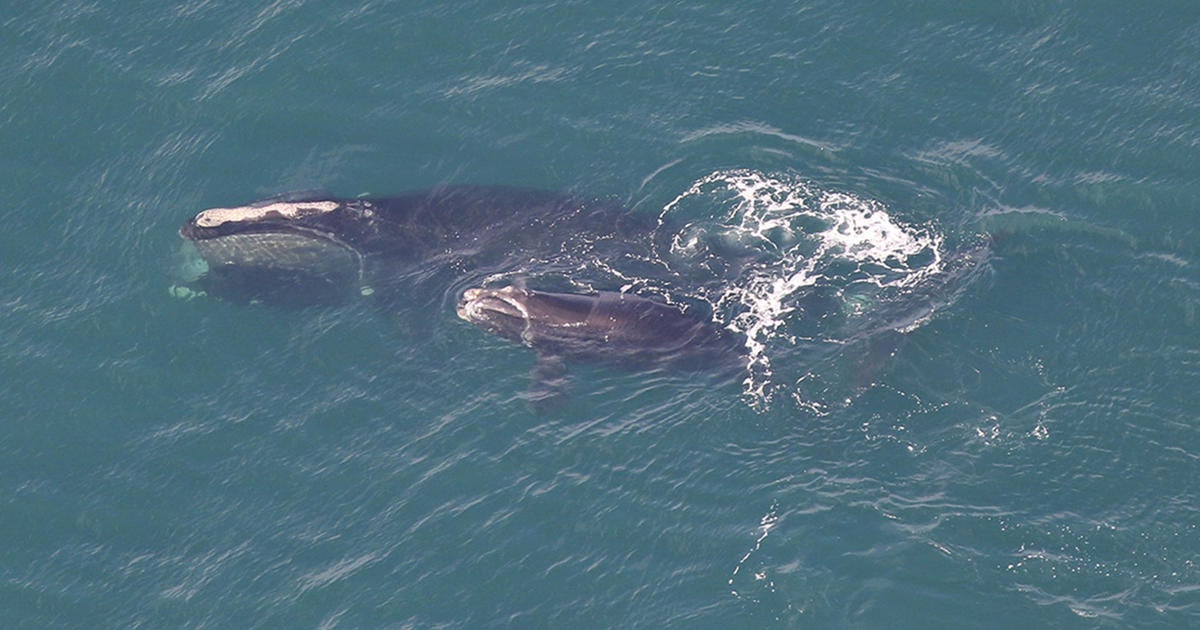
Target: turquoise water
[1010,447]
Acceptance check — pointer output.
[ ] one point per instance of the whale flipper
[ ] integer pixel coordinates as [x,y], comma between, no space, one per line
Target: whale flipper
[550,383]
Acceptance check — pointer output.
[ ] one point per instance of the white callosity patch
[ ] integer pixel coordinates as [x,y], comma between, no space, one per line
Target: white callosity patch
[799,237]
[214,217]
[470,307]
[477,305]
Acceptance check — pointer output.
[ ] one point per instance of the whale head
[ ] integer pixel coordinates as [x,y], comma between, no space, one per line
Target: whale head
[503,312]
[283,252]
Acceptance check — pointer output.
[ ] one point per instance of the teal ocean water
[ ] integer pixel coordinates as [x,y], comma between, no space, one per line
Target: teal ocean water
[994,423]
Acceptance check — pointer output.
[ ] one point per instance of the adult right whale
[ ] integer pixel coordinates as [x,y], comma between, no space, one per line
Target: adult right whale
[413,247]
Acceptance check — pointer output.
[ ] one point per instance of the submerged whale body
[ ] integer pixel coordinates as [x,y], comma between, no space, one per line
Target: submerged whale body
[320,249]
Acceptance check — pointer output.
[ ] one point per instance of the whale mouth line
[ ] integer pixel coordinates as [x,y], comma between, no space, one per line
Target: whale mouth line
[198,233]
[258,246]
[273,262]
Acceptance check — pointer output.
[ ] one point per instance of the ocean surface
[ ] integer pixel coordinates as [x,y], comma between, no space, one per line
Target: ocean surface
[961,242]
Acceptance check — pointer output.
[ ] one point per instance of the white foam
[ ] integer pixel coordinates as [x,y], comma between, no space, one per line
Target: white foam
[799,236]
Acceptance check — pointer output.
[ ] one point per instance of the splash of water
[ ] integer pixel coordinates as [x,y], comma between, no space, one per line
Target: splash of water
[778,239]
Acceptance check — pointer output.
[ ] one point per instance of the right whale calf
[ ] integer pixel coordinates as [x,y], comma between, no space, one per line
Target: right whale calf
[607,326]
